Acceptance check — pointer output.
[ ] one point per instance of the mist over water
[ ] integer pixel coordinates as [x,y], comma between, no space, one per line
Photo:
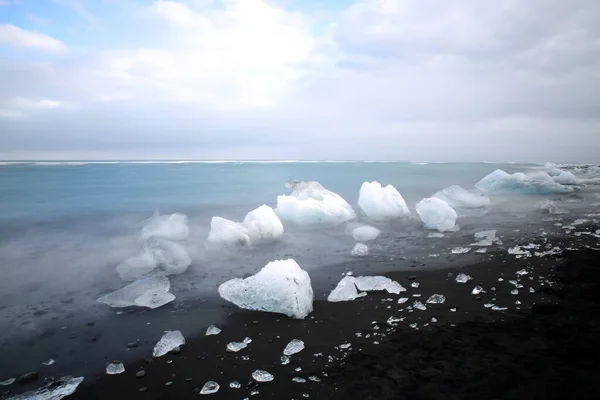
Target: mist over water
[65,227]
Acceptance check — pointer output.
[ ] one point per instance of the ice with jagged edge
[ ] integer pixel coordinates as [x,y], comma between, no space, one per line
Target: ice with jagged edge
[293,347]
[486,238]
[351,288]
[280,287]
[114,368]
[360,250]
[169,341]
[262,376]
[212,331]
[437,214]
[171,227]
[460,250]
[145,292]
[535,183]
[54,390]
[157,255]
[365,233]
[463,278]
[381,203]
[210,387]
[345,291]
[550,207]
[310,204]
[458,197]
[234,347]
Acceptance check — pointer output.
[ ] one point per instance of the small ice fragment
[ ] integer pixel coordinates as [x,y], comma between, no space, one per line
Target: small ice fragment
[247,340]
[517,302]
[345,290]
[212,331]
[293,347]
[413,325]
[477,289]
[314,378]
[49,362]
[460,250]
[531,290]
[297,379]
[402,300]
[262,376]
[345,346]
[462,278]
[360,250]
[486,238]
[365,233]
[392,320]
[415,284]
[234,347]
[169,341]
[453,310]
[115,368]
[580,222]
[522,272]
[419,306]
[488,305]
[285,360]
[8,382]
[481,251]
[433,319]
[514,292]
[497,308]
[435,235]
[436,299]
[372,283]
[235,385]
[210,387]
[55,390]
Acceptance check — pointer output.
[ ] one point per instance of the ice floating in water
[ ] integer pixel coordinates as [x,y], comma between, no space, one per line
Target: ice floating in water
[566,178]
[145,292]
[380,203]
[234,347]
[463,278]
[55,390]
[537,183]
[460,250]
[212,331]
[115,368]
[262,376]
[171,227]
[280,287]
[210,387]
[437,214]
[365,233]
[487,238]
[310,204]
[457,197]
[360,250]
[345,291]
[170,341]
[351,287]
[293,347]
[436,299]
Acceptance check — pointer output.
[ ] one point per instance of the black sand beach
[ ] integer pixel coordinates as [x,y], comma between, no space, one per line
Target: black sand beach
[544,345]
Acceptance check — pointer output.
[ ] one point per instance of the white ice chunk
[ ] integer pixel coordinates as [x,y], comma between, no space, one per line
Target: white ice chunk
[460,250]
[437,214]
[280,287]
[55,390]
[170,227]
[115,368]
[310,204]
[170,257]
[263,225]
[371,283]
[536,183]
[457,197]
[435,235]
[360,250]
[234,347]
[293,347]
[212,331]
[169,341]
[154,299]
[262,376]
[518,251]
[210,387]
[345,291]
[566,178]
[227,234]
[365,233]
[419,306]
[136,267]
[463,278]
[380,203]
[436,299]
[477,289]
[126,297]
[487,238]
[235,385]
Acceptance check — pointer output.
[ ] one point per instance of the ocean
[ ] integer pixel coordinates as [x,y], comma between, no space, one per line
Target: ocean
[64,226]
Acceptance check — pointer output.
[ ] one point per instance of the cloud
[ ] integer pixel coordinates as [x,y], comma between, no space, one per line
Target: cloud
[14,36]
[37,104]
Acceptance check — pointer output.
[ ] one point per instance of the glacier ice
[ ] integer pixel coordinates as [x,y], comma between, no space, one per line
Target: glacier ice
[365,233]
[234,347]
[170,257]
[437,214]
[169,341]
[380,203]
[370,283]
[280,287]
[345,291]
[436,299]
[154,299]
[462,278]
[460,250]
[360,250]
[55,390]
[293,347]
[210,387]
[536,183]
[115,368]
[212,331]
[458,197]
[171,227]
[487,238]
[565,178]
[136,267]
[263,225]
[130,295]
[262,376]
[227,234]
[310,204]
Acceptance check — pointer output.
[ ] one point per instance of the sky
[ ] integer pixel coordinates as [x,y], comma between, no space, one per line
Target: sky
[421,80]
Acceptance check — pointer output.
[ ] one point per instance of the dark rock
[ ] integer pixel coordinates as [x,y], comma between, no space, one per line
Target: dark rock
[196,390]
[176,350]
[412,277]
[91,323]
[140,374]
[28,377]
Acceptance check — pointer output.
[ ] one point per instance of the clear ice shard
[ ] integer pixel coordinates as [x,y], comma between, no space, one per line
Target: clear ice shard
[235,385]
[154,299]
[212,331]
[234,347]
[458,197]
[55,390]
[436,299]
[293,347]
[169,341]
[370,283]
[460,250]
[360,250]
[477,289]
[463,278]
[419,306]
[345,291]
[115,368]
[210,387]
[381,203]
[486,238]
[171,257]
[280,287]
[262,376]
[127,296]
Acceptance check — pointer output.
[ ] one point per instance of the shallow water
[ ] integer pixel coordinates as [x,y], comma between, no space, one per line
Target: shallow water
[64,228]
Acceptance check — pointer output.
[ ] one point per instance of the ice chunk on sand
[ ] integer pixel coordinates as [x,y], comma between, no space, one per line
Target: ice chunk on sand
[365,233]
[227,234]
[345,291]
[419,306]
[460,250]
[380,203]
[360,250]
[371,283]
[263,225]
[170,227]
[127,296]
[487,238]
[310,204]
[170,257]
[55,390]
[262,376]
[437,214]
[457,197]
[519,252]
[154,299]
[436,299]
[536,183]
[169,341]
[211,387]
[280,287]
[234,347]
[293,347]
[212,331]
[115,368]
[463,278]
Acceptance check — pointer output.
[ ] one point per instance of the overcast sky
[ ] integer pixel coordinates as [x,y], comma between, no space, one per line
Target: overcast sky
[422,80]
